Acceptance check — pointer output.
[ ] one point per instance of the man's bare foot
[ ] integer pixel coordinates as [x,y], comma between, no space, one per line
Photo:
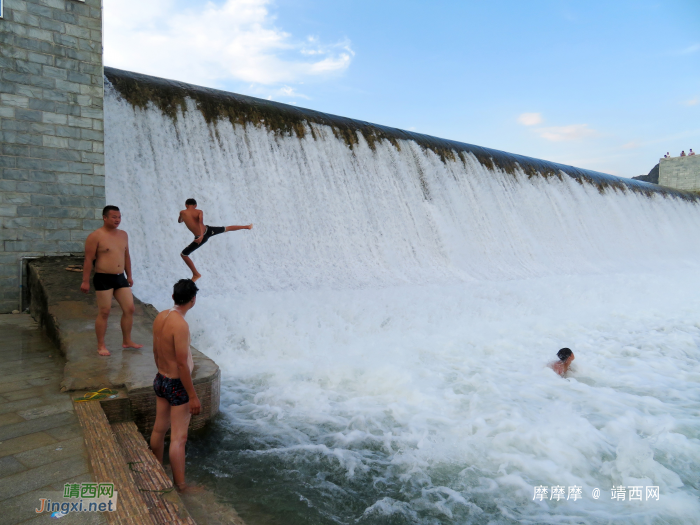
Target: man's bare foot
[250,226]
[196,277]
[131,344]
[102,350]
[184,488]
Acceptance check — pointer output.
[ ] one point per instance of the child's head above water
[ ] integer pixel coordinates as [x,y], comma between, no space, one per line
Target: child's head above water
[564,354]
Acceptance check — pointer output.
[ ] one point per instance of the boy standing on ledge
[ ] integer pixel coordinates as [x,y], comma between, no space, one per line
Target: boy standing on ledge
[176,399]
[108,248]
[194,220]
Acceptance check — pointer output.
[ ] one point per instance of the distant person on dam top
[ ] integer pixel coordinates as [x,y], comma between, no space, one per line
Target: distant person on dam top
[566,356]
[691,152]
[683,153]
[194,220]
[176,400]
[108,248]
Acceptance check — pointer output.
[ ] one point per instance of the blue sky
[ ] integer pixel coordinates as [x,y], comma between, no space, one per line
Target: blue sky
[603,85]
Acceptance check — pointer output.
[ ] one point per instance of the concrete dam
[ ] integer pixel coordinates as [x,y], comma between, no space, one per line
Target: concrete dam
[383,331]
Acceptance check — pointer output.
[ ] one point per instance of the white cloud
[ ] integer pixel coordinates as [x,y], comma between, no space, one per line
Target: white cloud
[211,44]
[692,102]
[286,92]
[631,145]
[567,133]
[530,119]
[690,49]
[572,132]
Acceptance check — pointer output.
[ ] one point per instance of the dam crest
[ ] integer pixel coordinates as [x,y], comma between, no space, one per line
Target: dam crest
[170,96]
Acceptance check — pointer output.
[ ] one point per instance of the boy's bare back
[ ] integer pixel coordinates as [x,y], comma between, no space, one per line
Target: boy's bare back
[171,335]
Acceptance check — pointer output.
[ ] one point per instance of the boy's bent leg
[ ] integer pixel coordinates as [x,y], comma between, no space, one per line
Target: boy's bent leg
[104,306]
[126,300]
[179,422]
[195,274]
[160,428]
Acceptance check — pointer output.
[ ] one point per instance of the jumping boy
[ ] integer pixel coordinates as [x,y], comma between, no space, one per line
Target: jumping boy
[194,220]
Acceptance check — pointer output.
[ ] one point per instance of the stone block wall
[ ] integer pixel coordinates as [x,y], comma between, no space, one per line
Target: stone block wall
[682,173]
[51,132]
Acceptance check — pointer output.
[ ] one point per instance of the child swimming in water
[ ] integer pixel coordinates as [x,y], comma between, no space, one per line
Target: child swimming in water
[561,367]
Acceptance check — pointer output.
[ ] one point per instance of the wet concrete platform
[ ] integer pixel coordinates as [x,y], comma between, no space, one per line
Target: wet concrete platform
[41,443]
[68,316]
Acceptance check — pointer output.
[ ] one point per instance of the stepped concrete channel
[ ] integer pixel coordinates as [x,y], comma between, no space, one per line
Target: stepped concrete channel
[47,439]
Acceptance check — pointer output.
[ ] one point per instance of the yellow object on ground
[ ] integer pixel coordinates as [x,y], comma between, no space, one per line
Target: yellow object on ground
[94,396]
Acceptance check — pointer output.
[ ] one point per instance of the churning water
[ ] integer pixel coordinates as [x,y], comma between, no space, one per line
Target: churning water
[384,330]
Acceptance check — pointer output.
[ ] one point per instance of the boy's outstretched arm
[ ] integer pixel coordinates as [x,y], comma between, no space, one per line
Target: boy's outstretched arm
[201,223]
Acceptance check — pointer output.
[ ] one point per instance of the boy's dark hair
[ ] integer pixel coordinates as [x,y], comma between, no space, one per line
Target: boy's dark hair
[189,202]
[107,209]
[184,291]
[564,354]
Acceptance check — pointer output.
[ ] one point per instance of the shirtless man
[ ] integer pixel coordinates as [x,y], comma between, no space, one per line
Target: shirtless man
[194,220]
[176,398]
[108,248]
[561,367]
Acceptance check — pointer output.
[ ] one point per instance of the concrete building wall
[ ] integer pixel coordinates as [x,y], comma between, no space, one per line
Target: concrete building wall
[51,132]
[682,173]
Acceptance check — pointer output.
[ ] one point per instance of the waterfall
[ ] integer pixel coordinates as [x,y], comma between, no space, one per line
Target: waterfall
[384,328]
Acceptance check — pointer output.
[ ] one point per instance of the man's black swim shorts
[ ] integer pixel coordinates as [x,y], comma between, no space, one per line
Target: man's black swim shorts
[109,281]
[209,231]
[172,390]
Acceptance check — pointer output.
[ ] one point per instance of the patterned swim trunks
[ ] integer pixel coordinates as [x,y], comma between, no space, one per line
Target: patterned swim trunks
[172,390]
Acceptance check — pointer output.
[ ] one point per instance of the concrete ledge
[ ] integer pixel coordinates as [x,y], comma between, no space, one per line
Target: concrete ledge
[68,317]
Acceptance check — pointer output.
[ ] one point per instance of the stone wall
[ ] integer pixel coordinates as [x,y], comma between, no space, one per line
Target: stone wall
[51,131]
[682,173]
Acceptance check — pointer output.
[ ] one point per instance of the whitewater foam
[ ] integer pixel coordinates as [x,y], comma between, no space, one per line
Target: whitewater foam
[384,330]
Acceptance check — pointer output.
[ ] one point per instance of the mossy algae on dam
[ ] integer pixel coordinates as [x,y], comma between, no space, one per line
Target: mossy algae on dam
[170,96]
